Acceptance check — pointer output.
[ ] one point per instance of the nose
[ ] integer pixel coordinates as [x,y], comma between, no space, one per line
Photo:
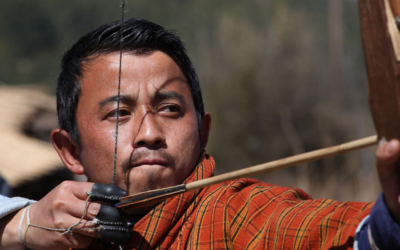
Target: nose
[150,133]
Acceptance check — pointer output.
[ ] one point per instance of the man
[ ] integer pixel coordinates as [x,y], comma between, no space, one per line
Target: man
[163,131]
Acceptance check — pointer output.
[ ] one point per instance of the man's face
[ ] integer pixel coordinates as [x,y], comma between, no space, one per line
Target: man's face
[158,138]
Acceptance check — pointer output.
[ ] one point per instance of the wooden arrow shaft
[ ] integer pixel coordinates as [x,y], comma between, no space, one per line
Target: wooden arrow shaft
[155,196]
[285,162]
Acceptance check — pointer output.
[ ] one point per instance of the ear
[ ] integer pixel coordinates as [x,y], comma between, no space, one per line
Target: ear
[68,150]
[205,129]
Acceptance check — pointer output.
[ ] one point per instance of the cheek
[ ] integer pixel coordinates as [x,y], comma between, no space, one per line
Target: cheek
[95,133]
[186,140]
[95,137]
[97,149]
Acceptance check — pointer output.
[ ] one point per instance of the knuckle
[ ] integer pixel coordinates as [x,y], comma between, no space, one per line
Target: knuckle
[59,204]
[66,185]
[58,223]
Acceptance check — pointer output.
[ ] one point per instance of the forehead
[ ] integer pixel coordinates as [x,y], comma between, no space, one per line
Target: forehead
[146,73]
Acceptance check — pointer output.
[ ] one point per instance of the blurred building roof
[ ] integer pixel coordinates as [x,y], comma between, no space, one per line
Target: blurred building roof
[27,116]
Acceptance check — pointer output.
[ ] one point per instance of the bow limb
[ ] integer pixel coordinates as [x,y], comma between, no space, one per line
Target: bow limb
[381,43]
[395,7]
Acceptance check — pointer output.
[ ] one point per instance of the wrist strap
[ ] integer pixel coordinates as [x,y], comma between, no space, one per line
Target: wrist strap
[21,221]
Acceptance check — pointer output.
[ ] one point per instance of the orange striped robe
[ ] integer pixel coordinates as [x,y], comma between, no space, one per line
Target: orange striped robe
[246,214]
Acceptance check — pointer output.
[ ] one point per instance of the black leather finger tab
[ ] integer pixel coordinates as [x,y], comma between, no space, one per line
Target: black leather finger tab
[107,193]
[110,214]
[115,233]
[113,224]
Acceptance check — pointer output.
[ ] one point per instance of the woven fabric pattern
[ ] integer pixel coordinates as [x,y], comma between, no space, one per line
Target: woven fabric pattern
[247,214]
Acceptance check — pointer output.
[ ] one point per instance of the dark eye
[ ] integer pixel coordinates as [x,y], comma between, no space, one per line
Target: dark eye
[121,112]
[171,109]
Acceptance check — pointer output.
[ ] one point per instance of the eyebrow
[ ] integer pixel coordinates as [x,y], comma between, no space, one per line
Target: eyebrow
[125,99]
[169,95]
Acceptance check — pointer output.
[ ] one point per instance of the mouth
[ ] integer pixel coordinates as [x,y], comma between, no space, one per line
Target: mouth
[150,161]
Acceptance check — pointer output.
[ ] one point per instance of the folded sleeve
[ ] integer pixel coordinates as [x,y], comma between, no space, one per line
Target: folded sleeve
[379,230]
[10,205]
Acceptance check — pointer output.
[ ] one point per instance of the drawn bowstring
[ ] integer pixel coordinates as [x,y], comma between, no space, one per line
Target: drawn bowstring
[95,221]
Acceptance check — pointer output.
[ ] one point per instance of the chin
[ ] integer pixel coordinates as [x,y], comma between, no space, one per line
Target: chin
[147,179]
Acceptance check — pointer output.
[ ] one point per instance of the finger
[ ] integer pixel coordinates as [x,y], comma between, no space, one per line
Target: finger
[92,210]
[79,241]
[112,232]
[75,208]
[63,219]
[79,189]
[93,232]
[109,233]
[89,210]
[386,156]
[72,198]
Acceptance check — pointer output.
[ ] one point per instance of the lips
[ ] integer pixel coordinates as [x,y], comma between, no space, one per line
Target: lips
[150,161]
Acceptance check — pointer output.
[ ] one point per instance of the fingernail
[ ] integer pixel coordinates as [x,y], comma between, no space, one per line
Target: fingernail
[382,141]
[94,209]
[390,147]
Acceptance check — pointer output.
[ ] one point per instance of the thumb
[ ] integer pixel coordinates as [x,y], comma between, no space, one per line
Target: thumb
[386,157]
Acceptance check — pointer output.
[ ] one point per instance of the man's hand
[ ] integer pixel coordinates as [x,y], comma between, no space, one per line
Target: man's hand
[387,157]
[59,209]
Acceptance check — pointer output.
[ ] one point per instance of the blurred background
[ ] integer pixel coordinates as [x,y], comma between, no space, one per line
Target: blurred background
[278,77]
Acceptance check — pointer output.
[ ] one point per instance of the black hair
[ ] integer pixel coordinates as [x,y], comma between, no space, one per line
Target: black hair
[139,37]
